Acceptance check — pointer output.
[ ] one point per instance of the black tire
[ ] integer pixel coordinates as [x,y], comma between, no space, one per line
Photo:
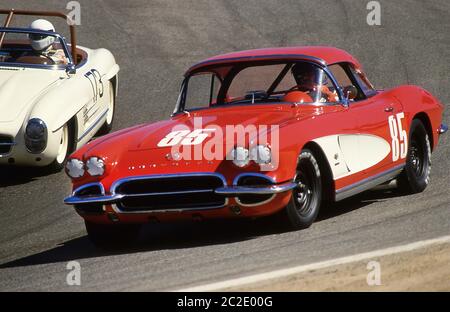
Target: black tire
[107,126]
[110,236]
[306,199]
[59,162]
[416,175]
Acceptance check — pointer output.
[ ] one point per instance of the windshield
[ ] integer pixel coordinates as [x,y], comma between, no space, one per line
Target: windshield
[258,82]
[32,49]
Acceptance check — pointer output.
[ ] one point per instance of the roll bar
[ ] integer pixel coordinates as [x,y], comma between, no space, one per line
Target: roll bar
[11,12]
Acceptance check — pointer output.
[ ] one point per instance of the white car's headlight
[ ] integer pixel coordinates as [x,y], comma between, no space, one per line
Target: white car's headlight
[261,154]
[75,168]
[95,166]
[36,136]
[240,156]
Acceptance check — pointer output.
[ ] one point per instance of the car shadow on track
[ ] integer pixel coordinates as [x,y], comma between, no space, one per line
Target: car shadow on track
[191,234]
[11,176]
[357,202]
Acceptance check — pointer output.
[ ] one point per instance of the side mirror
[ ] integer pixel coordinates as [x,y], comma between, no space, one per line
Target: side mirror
[71,70]
[350,92]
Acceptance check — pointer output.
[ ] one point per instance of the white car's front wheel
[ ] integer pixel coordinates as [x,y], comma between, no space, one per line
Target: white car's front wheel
[64,149]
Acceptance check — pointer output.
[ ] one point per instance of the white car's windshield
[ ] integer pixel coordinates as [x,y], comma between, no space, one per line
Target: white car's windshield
[32,49]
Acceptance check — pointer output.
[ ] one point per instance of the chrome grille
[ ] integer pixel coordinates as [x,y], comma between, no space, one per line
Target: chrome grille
[6,144]
[170,192]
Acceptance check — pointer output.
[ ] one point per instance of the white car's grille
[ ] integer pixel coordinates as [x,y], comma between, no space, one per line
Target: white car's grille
[9,68]
[6,144]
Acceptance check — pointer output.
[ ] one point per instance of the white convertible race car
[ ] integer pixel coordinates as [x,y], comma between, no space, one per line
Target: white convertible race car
[54,96]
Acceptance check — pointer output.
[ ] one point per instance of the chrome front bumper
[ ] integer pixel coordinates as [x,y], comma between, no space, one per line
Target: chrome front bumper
[231,191]
[443,129]
[104,199]
[226,191]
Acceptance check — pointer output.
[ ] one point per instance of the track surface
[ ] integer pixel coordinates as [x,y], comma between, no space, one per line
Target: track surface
[154,42]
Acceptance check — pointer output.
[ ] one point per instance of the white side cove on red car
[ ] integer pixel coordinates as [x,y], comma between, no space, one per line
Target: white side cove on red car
[72,105]
[351,153]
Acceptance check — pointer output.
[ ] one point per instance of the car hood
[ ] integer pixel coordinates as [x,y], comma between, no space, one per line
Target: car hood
[148,137]
[19,88]
[152,137]
[135,151]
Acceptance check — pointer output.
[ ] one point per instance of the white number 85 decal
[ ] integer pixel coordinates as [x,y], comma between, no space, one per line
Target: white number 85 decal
[399,137]
[185,137]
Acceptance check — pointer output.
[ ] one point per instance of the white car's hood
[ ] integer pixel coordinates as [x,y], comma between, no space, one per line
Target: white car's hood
[20,88]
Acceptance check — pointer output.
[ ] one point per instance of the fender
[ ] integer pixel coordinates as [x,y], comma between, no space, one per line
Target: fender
[417,101]
[68,92]
[50,108]
[302,130]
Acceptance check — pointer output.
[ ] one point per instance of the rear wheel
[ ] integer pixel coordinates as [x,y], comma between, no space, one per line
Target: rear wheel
[107,126]
[416,175]
[306,199]
[111,236]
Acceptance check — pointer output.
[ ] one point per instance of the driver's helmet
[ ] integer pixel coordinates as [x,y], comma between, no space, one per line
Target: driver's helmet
[41,42]
[307,76]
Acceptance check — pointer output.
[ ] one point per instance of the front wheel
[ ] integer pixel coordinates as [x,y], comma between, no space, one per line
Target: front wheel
[416,175]
[64,148]
[305,202]
[109,236]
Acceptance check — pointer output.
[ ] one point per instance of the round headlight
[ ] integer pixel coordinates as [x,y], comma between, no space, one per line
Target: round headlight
[240,156]
[95,166]
[36,136]
[261,154]
[75,168]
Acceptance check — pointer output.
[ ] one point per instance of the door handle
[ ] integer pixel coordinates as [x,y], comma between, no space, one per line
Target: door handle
[389,109]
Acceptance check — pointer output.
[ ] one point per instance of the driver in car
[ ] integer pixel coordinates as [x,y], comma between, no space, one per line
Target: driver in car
[312,80]
[43,46]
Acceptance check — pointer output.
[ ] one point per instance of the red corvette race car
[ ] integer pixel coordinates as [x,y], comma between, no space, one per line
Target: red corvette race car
[255,133]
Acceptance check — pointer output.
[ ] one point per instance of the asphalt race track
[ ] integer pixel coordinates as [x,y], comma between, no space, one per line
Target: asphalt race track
[154,42]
